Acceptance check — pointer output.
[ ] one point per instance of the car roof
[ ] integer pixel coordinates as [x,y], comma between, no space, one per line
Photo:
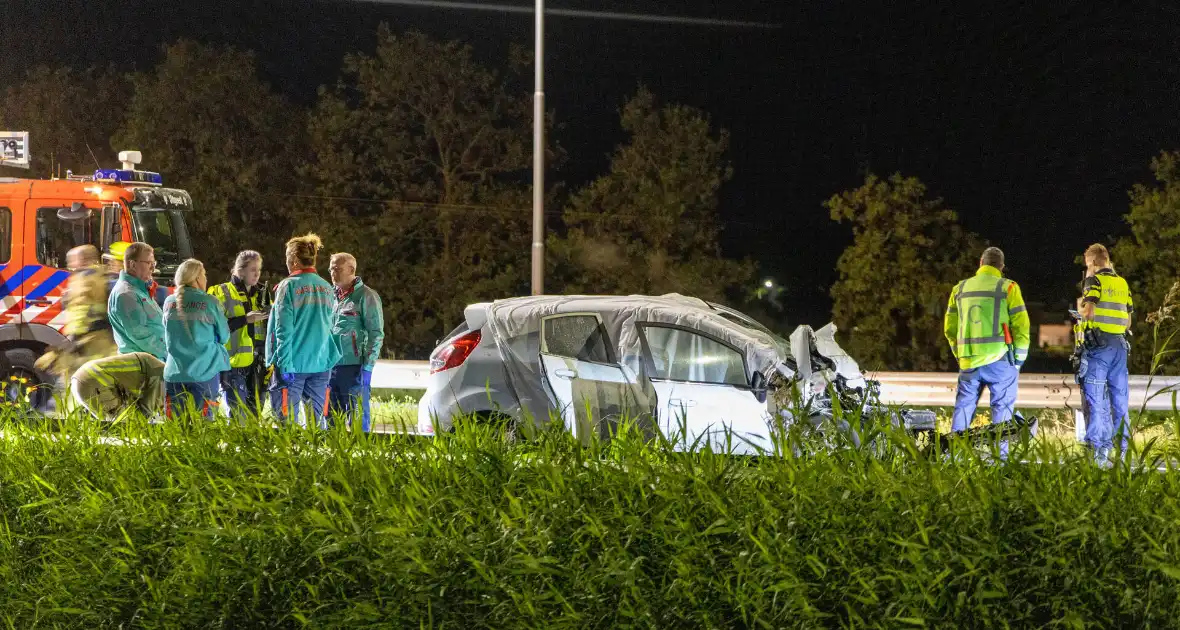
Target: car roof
[517,317]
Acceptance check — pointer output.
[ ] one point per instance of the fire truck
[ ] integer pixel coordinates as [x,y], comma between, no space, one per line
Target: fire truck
[41,220]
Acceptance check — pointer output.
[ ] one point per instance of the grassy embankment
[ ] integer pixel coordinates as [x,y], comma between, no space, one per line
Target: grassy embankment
[210,525]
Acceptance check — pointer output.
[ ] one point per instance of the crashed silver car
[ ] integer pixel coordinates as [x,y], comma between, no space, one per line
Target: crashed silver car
[698,372]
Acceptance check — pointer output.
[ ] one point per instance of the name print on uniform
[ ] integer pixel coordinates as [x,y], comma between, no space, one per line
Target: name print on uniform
[313,295]
[191,312]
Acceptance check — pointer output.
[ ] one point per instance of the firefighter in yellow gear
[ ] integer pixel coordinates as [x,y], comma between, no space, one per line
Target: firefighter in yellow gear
[110,386]
[242,300]
[114,257]
[87,329]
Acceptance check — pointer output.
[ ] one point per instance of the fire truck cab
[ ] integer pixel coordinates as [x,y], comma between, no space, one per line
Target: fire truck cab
[41,220]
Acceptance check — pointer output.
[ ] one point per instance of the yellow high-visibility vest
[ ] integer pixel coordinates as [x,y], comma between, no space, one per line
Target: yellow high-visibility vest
[1111,297]
[236,304]
[979,310]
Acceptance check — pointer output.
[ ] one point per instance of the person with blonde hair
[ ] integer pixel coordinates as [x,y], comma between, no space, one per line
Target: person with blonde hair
[299,343]
[195,330]
[241,301]
[1106,312]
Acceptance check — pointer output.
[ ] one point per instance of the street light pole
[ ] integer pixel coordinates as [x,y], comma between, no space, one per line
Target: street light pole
[539,153]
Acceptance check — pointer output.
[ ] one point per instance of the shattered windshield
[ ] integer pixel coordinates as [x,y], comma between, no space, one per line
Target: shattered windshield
[159,220]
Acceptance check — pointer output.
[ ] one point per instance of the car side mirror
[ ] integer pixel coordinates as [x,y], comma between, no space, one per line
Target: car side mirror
[758,385]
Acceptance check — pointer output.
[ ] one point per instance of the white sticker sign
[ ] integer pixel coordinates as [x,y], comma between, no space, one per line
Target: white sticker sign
[14,148]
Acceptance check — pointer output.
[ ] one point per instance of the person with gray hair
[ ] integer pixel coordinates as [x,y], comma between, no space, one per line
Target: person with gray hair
[137,321]
[992,257]
[241,301]
[358,326]
[987,325]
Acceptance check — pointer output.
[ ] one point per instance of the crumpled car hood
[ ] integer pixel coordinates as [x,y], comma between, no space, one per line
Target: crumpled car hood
[817,359]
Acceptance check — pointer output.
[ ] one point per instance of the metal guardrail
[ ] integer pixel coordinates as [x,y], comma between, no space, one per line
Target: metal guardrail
[400,374]
[1037,391]
[921,389]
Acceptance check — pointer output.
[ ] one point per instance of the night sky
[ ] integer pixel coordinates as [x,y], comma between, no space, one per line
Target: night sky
[1032,121]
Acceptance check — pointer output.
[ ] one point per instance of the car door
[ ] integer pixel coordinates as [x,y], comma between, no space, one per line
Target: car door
[590,390]
[702,391]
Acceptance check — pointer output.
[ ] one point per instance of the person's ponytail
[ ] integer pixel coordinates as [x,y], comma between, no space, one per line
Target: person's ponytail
[304,249]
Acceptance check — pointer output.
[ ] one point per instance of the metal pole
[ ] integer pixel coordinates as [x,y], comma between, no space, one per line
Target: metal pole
[539,154]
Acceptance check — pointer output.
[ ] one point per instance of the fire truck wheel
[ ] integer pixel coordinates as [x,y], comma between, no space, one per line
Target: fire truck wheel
[21,378]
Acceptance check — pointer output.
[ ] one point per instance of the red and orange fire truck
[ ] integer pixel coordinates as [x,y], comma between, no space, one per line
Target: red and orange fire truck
[41,220]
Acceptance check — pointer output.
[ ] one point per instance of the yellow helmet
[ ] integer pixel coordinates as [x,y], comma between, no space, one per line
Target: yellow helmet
[116,250]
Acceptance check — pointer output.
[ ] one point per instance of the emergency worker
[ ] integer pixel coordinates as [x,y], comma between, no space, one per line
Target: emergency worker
[136,319]
[194,333]
[114,258]
[987,326]
[299,342]
[87,329]
[1106,318]
[359,328]
[109,385]
[241,301]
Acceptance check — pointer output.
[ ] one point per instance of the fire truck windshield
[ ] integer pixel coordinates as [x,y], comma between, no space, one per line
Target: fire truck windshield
[165,231]
[158,215]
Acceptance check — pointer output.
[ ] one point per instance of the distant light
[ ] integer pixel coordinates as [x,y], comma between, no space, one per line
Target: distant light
[769,284]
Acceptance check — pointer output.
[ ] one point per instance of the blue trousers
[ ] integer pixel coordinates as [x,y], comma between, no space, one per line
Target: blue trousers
[1002,379]
[241,389]
[1104,384]
[350,386]
[201,396]
[289,391]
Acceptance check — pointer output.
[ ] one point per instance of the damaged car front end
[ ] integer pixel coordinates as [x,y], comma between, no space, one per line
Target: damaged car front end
[820,391]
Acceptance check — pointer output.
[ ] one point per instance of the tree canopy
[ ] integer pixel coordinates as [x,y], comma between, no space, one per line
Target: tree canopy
[206,121]
[419,155]
[70,116]
[650,224]
[907,253]
[1149,257]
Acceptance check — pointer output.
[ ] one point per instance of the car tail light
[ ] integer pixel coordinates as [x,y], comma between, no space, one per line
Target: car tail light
[454,353]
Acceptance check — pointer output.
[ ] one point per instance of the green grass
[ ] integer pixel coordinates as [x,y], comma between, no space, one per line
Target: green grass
[208,525]
[400,412]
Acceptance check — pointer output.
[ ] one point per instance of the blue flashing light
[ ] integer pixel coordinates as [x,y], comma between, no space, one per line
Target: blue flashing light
[123,176]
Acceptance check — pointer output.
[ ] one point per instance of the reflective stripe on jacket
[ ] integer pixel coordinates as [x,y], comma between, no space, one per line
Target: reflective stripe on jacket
[976,313]
[136,320]
[195,332]
[236,303]
[134,376]
[1111,297]
[299,331]
[359,326]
